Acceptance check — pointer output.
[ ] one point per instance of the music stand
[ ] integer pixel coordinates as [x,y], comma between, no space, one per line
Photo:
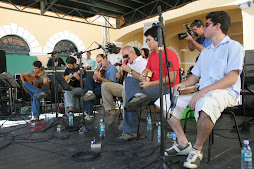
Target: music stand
[61,81]
[10,82]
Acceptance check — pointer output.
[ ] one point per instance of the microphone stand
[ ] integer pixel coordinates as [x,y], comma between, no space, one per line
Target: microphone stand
[55,88]
[161,39]
[79,56]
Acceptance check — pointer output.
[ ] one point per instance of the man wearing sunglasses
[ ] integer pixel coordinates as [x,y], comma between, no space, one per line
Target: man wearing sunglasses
[201,42]
[133,65]
[218,71]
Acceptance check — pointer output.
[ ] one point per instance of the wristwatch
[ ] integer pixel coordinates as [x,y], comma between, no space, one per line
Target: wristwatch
[130,72]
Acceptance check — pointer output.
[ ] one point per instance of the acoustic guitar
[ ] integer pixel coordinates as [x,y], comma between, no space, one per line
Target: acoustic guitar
[34,80]
[71,80]
[147,74]
[101,73]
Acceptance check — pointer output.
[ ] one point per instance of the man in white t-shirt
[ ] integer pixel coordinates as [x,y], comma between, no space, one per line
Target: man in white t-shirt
[134,67]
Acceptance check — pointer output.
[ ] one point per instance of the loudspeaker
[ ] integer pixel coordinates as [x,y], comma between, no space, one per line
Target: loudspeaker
[2,61]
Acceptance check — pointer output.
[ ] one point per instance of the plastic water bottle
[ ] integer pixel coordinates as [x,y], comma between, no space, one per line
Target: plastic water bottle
[70,119]
[102,129]
[148,122]
[172,135]
[159,132]
[246,162]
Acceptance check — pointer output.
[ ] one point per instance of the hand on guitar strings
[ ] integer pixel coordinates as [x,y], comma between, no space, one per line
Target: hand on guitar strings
[46,80]
[144,84]
[118,75]
[76,75]
[179,85]
[126,68]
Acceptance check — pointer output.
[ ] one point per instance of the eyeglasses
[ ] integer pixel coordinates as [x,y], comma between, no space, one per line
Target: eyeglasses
[207,24]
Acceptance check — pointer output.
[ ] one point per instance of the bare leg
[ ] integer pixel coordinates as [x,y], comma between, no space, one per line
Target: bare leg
[204,128]
[177,128]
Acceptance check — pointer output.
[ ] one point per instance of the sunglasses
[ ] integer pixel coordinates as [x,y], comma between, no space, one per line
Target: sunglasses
[125,56]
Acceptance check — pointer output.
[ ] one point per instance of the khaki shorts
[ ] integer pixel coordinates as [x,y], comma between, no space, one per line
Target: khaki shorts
[212,103]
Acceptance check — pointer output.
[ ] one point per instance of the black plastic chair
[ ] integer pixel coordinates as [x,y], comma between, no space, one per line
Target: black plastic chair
[151,104]
[211,136]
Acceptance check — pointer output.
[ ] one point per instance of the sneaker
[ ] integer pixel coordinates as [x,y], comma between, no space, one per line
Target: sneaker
[194,158]
[89,96]
[42,95]
[34,119]
[65,116]
[137,102]
[71,109]
[89,118]
[127,136]
[112,116]
[176,149]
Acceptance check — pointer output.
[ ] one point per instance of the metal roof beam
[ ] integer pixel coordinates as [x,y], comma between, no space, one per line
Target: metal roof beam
[42,7]
[98,6]
[51,4]
[137,1]
[167,4]
[121,4]
[14,5]
[28,6]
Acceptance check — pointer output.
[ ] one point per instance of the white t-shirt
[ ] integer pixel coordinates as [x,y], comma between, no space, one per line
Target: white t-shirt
[115,58]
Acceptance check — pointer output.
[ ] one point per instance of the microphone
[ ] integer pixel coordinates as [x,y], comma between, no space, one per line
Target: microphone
[50,53]
[100,46]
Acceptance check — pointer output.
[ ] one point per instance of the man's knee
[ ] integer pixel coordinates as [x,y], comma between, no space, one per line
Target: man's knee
[203,115]
[104,86]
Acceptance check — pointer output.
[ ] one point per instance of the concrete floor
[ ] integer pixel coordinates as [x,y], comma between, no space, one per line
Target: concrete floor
[23,146]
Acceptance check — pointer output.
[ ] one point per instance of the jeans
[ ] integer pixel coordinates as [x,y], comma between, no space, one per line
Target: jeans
[90,84]
[130,124]
[70,100]
[34,92]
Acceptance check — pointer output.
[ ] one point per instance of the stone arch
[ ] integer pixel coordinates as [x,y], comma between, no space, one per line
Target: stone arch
[14,29]
[172,48]
[135,43]
[65,35]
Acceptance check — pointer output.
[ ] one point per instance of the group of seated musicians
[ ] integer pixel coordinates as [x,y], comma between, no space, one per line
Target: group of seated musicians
[217,71]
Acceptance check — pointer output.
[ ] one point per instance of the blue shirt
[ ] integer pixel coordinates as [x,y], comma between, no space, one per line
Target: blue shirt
[215,63]
[91,63]
[204,41]
[110,73]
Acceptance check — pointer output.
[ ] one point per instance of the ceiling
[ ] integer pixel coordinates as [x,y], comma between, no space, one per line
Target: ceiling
[126,12]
